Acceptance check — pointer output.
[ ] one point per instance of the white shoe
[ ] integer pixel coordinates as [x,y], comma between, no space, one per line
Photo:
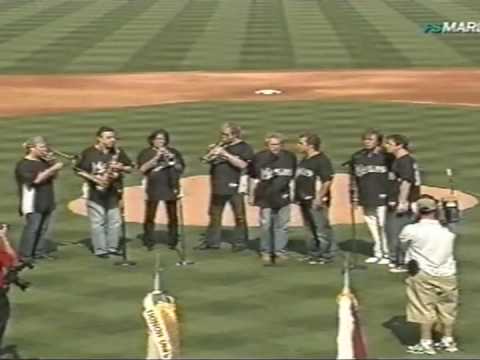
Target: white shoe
[450,346]
[398,269]
[372,260]
[384,261]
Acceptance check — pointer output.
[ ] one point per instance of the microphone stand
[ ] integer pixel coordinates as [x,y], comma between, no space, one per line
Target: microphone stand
[182,253]
[351,190]
[123,234]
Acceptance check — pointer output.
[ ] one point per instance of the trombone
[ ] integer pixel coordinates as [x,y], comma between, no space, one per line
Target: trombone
[53,154]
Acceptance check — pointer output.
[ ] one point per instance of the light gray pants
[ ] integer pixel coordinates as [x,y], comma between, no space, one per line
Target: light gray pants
[274,222]
[105,225]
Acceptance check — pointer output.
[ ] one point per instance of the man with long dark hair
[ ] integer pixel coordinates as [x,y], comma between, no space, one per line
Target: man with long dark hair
[369,168]
[162,167]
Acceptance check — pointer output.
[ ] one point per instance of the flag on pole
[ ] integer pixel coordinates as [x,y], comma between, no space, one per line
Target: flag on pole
[160,314]
[351,342]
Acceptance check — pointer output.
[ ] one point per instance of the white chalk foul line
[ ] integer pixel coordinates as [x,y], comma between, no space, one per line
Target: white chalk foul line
[420,102]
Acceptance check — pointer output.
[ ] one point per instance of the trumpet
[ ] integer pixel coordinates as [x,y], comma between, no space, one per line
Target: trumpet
[165,155]
[210,154]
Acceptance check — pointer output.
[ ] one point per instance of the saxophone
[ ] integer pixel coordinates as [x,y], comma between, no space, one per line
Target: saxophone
[110,173]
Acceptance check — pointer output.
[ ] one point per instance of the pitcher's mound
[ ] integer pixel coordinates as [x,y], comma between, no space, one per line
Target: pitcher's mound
[196,199]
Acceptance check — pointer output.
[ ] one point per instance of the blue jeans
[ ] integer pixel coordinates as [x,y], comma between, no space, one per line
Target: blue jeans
[105,224]
[34,240]
[274,222]
[322,243]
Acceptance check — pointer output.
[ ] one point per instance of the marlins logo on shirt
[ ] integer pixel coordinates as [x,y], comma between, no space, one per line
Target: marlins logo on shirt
[361,170]
[269,173]
[99,167]
[304,172]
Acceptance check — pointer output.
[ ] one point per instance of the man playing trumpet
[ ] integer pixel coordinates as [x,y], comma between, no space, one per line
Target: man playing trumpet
[102,166]
[228,161]
[162,167]
[35,175]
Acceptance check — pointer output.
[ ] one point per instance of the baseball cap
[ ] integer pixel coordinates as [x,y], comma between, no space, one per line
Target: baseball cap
[426,204]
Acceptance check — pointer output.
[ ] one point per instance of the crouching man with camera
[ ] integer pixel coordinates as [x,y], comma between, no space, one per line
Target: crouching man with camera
[432,289]
[8,259]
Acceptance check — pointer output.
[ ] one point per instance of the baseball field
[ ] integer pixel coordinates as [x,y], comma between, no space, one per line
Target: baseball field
[70,66]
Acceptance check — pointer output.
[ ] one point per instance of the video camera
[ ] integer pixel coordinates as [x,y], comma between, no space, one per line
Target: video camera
[12,275]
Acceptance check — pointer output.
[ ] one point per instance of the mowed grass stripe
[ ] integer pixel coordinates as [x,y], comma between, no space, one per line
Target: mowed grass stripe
[368,47]
[111,53]
[41,37]
[314,41]
[421,50]
[58,54]
[473,5]
[6,6]
[12,30]
[30,7]
[466,46]
[267,41]
[170,45]
[222,38]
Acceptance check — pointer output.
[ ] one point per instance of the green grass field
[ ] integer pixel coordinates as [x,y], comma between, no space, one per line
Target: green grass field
[231,306]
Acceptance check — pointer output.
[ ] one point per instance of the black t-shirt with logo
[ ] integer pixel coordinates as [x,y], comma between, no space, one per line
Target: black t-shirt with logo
[162,181]
[34,197]
[275,173]
[95,162]
[225,177]
[310,171]
[370,169]
[406,168]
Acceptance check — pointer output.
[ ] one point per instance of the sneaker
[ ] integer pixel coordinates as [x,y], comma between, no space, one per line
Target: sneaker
[372,260]
[317,261]
[398,269]
[450,346]
[384,261]
[266,258]
[421,349]
[206,246]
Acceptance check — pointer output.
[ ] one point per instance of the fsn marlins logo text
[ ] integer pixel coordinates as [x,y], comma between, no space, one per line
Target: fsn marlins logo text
[448,27]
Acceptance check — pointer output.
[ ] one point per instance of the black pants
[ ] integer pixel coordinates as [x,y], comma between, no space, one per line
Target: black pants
[217,205]
[4,313]
[149,221]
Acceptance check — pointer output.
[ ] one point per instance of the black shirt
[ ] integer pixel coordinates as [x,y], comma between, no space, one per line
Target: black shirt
[34,197]
[309,171]
[274,173]
[370,169]
[162,181]
[95,162]
[406,168]
[225,177]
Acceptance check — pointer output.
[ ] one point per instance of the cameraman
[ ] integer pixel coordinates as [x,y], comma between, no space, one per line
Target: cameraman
[432,289]
[8,258]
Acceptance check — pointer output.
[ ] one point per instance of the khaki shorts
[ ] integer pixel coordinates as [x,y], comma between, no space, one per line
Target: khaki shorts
[432,298]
